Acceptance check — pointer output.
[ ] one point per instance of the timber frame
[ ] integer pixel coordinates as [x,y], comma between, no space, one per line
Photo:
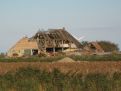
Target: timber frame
[55,38]
[45,42]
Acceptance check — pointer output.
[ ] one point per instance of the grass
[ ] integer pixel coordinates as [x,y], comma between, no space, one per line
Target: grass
[30,79]
[112,57]
[32,59]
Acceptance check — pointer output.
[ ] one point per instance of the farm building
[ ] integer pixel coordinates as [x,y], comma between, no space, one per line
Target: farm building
[51,41]
[23,47]
[93,48]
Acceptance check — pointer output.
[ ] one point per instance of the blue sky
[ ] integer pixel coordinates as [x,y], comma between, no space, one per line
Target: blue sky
[95,19]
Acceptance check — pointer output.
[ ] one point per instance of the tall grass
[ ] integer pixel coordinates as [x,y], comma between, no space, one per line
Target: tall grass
[112,57]
[30,79]
[32,59]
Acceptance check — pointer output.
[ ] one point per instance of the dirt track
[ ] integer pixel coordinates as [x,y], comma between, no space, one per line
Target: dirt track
[71,67]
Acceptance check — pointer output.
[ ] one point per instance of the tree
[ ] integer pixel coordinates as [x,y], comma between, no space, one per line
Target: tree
[108,46]
[2,54]
[84,43]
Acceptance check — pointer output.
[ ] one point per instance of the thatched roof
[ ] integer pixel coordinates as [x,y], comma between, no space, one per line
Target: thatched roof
[94,46]
[97,46]
[57,35]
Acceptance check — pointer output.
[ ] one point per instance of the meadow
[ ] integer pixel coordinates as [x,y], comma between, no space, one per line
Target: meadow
[111,57]
[29,79]
[86,73]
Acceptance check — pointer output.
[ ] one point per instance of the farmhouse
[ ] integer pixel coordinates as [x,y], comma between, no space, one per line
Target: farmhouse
[50,41]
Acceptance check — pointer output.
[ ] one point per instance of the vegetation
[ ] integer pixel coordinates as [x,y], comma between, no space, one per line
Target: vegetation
[32,59]
[108,46]
[111,57]
[35,80]
[84,43]
[2,55]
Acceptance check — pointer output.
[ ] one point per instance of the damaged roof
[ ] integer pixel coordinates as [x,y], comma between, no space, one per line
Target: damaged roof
[56,34]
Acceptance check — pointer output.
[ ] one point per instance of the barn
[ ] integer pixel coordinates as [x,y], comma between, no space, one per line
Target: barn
[50,41]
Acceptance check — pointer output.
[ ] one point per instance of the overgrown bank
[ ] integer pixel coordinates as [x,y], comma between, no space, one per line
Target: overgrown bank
[31,79]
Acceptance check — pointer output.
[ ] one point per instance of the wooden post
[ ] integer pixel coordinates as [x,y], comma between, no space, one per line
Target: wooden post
[31,52]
